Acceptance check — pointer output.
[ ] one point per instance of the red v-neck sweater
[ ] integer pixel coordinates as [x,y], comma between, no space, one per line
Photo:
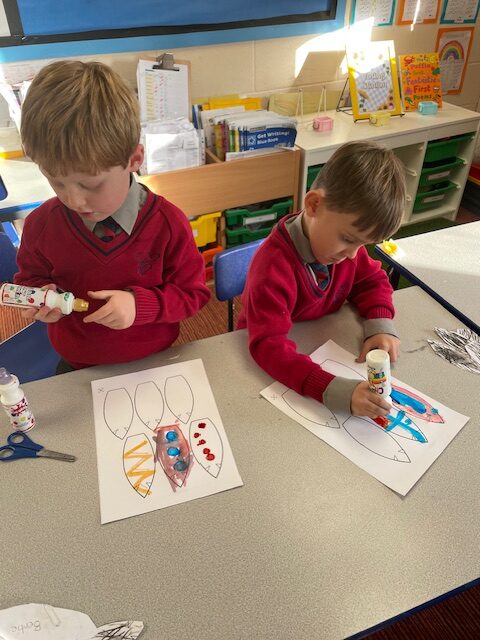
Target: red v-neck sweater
[158,262]
[280,290]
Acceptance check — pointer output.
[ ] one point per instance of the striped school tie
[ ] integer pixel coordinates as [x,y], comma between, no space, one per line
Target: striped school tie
[107,229]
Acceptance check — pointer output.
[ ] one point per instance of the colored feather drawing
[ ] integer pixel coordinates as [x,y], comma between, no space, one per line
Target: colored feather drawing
[378,449]
[153,467]
[206,445]
[118,412]
[174,454]
[375,439]
[179,398]
[414,405]
[149,404]
[139,463]
[400,425]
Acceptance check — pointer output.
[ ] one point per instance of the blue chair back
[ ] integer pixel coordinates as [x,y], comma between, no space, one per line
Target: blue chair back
[230,269]
[8,258]
[28,354]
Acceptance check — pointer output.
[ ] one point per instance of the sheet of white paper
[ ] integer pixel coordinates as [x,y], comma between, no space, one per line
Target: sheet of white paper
[162,93]
[127,411]
[420,428]
[44,622]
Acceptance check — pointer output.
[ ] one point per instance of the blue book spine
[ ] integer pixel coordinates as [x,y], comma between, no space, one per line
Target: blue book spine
[269,137]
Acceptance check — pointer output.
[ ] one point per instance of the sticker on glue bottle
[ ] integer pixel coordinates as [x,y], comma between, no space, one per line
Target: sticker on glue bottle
[14,402]
[378,371]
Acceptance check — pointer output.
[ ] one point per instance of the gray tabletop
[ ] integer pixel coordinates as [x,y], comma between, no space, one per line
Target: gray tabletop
[315,549]
[446,263]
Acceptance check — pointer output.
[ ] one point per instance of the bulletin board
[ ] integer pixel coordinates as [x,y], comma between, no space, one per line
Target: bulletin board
[186,23]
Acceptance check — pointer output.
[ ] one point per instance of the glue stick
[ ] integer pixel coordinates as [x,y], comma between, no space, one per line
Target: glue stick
[14,402]
[378,371]
[21,296]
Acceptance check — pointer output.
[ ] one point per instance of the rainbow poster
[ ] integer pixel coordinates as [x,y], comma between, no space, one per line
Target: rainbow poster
[453,47]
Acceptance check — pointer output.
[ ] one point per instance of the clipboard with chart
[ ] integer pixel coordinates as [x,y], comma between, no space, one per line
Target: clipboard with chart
[163,88]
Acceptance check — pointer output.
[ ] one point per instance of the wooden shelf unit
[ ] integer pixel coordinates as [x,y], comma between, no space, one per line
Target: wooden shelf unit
[223,185]
[408,136]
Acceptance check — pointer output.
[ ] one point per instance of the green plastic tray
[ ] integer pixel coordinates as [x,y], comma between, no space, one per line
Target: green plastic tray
[255,218]
[433,197]
[445,148]
[439,173]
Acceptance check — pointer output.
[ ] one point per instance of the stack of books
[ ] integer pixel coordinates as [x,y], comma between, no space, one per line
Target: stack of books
[252,131]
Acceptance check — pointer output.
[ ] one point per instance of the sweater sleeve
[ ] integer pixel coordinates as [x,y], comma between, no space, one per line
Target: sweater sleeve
[183,291]
[268,306]
[371,292]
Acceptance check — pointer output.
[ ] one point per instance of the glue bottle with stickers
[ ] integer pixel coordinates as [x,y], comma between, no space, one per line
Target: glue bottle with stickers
[17,295]
[378,371]
[14,402]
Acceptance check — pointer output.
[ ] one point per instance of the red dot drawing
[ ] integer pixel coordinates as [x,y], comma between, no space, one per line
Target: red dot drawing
[201,425]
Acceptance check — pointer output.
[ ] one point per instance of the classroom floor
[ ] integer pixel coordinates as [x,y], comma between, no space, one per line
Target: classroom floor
[456,618]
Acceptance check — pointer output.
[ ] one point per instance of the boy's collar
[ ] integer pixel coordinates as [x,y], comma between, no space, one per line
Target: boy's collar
[294,228]
[126,215]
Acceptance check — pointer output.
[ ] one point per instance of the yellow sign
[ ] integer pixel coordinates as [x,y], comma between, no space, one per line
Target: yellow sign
[373,81]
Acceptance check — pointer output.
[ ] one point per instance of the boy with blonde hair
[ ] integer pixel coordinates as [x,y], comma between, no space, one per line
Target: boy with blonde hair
[104,237]
[315,260]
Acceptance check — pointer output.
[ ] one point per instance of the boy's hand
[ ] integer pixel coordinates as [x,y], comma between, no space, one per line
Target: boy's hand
[385,341]
[368,403]
[117,313]
[44,314]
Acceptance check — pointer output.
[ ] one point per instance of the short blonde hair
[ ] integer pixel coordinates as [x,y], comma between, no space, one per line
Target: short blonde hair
[79,116]
[366,179]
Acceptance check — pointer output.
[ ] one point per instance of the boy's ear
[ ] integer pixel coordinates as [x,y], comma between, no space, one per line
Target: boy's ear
[136,158]
[313,201]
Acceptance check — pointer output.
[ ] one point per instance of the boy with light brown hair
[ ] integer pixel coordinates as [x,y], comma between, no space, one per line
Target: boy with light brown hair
[314,261]
[104,237]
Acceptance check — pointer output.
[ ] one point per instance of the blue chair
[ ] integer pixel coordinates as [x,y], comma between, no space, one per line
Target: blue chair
[28,354]
[8,258]
[7,225]
[230,269]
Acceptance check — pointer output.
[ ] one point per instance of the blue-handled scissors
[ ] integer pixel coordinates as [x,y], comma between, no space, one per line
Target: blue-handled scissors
[21,446]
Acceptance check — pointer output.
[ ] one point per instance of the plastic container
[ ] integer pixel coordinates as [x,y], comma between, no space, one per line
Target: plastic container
[445,149]
[312,173]
[431,198]
[14,402]
[427,107]
[207,256]
[204,228]
[257,218]
[21,296]
[322,123]
[241,235]
[439,171]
